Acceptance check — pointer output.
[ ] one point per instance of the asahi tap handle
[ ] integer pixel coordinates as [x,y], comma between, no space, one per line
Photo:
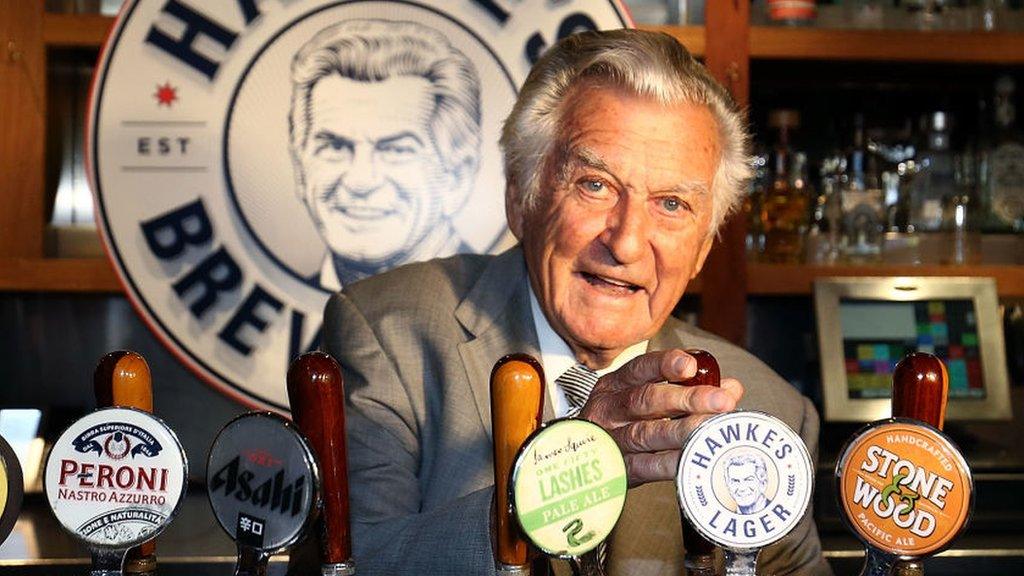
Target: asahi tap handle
[517,400]
[700,554]
[122,378]
[317,396]
[920,386]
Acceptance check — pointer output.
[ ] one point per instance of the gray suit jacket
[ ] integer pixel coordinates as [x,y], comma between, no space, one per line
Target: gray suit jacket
[417,345]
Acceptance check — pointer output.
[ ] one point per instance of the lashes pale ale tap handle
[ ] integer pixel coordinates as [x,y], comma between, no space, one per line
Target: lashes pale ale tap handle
[517,401]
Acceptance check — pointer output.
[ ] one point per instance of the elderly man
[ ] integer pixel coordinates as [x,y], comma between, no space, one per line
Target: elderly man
[385,140]
[622,157]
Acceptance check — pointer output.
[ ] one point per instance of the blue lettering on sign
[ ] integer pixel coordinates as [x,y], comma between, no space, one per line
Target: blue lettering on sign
[169,237]
[197,25]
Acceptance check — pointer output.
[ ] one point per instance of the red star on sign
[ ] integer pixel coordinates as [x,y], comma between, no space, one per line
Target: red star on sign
[165,94]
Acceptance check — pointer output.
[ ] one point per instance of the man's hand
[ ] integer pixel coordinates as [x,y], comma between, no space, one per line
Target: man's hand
[649,416]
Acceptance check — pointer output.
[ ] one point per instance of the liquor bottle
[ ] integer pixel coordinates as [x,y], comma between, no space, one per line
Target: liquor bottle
[1003,194]
[754,200]
[862,202]
[935,182]
[784,211]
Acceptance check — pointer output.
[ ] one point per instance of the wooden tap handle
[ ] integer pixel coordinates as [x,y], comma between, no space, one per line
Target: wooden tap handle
[122,378]
[920,386]
[317,396]
[517,401]
[708,374]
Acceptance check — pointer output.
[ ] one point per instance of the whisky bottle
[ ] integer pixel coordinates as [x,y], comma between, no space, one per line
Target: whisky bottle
[784,211]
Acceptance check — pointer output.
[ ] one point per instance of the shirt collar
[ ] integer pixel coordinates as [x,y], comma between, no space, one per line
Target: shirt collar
[557,357]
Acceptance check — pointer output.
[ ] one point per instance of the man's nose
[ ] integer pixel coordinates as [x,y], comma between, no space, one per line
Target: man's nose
[362,177]
[626,231]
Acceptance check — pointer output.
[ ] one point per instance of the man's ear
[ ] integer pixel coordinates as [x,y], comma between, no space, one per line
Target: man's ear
[705,249]
[462,177]
[514,211]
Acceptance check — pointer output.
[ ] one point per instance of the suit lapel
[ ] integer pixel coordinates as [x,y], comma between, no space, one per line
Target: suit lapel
[496,312]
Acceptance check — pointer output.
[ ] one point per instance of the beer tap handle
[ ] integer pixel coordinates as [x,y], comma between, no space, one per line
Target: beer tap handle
[920,386]
[700,554]
[517,400]
[122,378]
[317,396]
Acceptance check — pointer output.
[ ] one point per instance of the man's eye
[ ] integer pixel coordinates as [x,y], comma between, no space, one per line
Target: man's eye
[332,147]
[672,204]
[397,151]
[593,186]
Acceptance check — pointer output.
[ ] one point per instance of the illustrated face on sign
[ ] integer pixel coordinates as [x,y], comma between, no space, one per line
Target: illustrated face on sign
[385,138]
[747,479]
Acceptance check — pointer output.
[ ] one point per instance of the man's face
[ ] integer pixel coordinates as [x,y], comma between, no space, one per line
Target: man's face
[621,225]
[376,183]
[744,485]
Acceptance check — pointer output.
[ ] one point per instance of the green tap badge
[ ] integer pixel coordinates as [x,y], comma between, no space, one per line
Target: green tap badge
[568,487]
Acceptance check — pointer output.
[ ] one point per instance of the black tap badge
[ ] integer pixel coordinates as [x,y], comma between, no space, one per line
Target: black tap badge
[262,481]
[251,158]
[116,477]
[744,479]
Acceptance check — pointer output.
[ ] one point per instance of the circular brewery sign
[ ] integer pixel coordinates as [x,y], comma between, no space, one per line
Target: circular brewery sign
[116,477]
[568,487]
[262,481]
[249,158]
[744,480]
[904,487]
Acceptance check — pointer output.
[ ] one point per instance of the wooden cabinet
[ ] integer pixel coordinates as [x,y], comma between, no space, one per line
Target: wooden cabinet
[728,45]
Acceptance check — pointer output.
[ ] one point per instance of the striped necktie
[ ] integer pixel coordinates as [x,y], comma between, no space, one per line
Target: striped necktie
[576,383]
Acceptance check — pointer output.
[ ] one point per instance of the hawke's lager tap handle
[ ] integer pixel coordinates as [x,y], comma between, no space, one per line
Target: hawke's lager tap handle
[920,386]
[317,396]
[517,400]
[122,378]
[700,554]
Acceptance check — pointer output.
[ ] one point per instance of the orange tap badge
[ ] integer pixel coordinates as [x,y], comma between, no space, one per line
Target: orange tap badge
[904,488]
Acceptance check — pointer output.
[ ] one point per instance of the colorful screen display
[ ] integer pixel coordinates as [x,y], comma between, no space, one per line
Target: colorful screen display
[876,335]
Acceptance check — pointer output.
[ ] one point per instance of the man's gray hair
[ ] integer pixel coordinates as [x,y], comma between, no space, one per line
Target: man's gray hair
[648,64]
[375,50]
[747,458]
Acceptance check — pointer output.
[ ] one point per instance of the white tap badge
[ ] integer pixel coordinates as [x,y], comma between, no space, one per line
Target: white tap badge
[568,487]
[249,158]
[745,479]
[116,477]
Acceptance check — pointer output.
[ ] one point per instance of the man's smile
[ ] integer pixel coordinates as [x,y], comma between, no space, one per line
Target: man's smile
[365,212]
[609,284]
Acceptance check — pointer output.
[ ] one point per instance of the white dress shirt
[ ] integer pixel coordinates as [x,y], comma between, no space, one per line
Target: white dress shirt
[556,357]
